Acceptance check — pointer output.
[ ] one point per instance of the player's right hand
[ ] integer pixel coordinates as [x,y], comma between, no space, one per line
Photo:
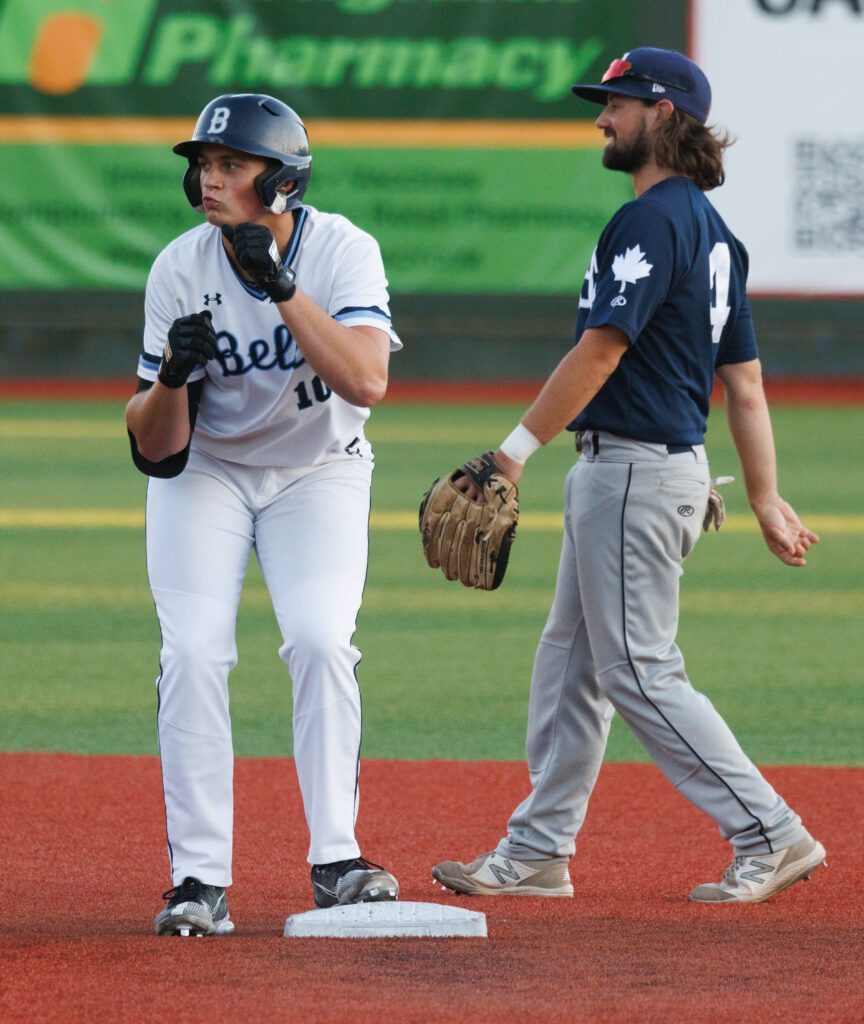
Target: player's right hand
[191,342]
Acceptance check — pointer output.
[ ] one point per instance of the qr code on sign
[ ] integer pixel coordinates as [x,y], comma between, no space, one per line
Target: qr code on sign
[828,195]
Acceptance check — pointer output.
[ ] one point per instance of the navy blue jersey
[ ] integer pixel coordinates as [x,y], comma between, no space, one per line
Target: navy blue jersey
[670,275]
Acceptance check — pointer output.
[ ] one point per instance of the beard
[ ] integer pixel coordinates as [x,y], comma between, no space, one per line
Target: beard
[628,157]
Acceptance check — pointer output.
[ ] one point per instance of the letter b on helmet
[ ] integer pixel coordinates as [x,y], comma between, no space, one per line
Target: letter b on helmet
[218,120]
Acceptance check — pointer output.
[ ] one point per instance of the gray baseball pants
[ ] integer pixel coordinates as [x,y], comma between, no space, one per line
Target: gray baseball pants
[633,512]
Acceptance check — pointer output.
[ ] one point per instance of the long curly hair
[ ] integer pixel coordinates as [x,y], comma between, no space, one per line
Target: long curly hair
[692,149]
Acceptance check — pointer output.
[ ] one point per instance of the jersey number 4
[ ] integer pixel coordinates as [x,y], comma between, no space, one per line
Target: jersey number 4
[720,266]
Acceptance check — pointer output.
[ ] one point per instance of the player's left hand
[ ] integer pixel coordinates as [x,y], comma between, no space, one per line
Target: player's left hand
[257,255]
[467,538]
[716,511]
[510,468]
[784,533]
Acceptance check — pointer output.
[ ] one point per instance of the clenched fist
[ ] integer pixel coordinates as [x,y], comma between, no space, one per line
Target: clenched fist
[258,256]
[191,343]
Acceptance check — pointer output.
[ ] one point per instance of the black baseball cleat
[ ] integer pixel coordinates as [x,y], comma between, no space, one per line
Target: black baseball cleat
[194,908]
[352,881]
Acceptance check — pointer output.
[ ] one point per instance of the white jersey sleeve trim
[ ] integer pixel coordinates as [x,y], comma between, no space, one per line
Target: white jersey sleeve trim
[369,316]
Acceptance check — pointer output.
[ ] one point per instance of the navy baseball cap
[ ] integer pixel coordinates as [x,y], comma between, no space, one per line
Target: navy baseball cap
[651,74]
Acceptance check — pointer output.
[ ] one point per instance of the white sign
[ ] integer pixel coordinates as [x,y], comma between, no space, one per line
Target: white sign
[787,79]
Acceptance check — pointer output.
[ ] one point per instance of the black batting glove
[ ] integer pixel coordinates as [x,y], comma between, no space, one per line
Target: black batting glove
[258,256]
[191,342]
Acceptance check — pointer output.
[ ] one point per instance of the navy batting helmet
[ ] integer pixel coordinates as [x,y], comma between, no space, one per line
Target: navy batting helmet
[262,126]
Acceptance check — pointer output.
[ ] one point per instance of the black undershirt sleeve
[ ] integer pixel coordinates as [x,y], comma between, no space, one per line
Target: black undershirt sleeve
[174,464]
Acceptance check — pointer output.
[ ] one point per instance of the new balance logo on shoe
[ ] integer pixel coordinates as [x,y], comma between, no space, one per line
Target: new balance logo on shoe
[494,875]
[757,878]
[504,870]
[757,868]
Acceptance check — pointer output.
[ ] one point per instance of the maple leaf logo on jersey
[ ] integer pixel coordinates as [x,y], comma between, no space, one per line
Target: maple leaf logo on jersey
[630,267]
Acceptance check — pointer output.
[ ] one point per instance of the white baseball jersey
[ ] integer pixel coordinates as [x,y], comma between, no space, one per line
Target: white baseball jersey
[263,405]
[273,466]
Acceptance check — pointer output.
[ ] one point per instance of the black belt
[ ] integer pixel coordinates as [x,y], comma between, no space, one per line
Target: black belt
[672,449]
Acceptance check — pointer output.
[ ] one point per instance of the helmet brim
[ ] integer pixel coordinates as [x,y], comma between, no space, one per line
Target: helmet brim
[188,149]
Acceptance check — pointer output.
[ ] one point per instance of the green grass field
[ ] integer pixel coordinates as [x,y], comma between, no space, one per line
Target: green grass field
[445,671]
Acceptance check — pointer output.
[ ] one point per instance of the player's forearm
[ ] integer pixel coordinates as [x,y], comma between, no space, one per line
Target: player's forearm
[575,381]
[750,426]
[352,361]
[159,421]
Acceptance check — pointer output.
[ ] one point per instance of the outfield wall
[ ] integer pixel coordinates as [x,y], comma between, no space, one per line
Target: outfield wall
[447,337]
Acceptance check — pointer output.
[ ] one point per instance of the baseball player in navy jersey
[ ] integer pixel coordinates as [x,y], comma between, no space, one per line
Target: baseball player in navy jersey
[663,308]
[267,338]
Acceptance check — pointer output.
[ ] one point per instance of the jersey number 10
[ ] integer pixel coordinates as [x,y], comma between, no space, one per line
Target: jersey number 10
[719,265]
[320,392]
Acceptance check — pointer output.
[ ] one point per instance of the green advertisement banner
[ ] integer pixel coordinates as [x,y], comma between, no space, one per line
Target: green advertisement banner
[326,58]
[93,92]
[457,221]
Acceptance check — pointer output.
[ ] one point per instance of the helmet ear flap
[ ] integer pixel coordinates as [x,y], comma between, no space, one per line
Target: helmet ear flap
[267,187]
[192,185]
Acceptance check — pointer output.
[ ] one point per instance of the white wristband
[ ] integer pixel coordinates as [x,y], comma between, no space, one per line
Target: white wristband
[520,445]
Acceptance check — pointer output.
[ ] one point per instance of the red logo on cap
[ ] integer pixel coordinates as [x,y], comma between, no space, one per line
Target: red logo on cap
[616,69]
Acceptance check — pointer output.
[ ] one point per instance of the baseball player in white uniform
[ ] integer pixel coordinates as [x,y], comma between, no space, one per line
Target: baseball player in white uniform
[267,339]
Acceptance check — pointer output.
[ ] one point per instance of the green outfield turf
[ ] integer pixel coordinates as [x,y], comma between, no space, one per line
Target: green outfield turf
[445,671]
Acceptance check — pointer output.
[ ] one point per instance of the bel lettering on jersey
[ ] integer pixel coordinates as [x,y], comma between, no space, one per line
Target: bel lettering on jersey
[283,355]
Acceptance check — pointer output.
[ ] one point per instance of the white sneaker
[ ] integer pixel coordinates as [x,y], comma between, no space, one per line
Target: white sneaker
[494,875]
[759,877]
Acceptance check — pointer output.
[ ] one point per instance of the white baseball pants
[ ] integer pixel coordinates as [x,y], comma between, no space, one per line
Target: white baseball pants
[310,534]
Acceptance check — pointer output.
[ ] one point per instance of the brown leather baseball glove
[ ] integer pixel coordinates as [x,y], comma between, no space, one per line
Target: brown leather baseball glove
[469,540]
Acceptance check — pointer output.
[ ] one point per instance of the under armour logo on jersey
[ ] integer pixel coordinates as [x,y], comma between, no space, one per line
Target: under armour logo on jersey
[630,266]
[219,120]
[216,297]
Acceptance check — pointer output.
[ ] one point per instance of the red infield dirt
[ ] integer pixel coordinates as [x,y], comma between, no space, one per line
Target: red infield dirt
[84,865]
